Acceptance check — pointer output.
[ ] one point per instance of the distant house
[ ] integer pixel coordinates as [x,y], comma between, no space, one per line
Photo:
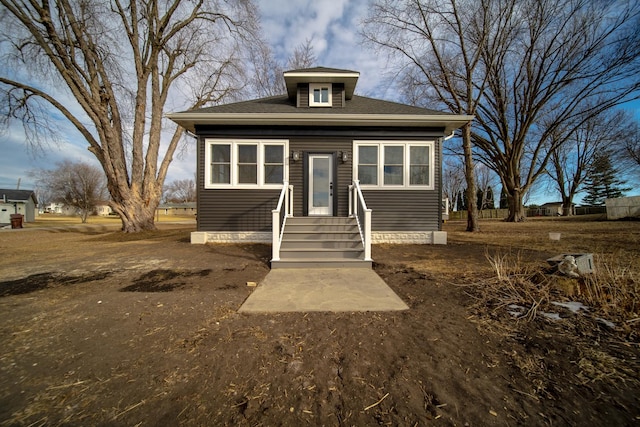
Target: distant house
[59,208]
[17,202]
[320,172]
[103,209]
[178,209]
[554,209]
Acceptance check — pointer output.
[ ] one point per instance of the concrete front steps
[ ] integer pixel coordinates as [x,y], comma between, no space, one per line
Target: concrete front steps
[321,242]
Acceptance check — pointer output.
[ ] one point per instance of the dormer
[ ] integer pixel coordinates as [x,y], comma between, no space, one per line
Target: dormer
[320,87]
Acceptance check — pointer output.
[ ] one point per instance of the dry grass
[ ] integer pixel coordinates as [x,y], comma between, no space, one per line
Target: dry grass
[611,292]
[515,284]
[611,295]
[56,220]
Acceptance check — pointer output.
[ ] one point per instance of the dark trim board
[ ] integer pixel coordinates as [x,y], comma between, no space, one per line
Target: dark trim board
[208,131]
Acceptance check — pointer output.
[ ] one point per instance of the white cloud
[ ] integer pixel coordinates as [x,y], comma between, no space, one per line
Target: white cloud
[333,27]
[20,159]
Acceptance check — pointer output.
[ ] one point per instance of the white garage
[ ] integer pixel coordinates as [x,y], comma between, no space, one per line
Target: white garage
[17,202]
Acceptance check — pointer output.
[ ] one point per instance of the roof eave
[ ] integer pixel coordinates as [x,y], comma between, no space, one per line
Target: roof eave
[446,121]
[349,78]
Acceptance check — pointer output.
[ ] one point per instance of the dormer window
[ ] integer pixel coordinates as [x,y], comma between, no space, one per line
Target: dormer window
[320,95]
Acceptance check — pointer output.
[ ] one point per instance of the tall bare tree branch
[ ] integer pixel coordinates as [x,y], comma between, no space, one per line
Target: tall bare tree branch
[114,66]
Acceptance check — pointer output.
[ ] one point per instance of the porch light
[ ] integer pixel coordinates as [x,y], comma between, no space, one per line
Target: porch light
[295,155]
[344,156]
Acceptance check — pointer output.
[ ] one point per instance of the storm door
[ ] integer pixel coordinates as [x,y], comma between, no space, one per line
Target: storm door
[320,197]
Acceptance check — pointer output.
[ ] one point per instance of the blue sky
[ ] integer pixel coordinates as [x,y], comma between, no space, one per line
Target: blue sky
[331,25]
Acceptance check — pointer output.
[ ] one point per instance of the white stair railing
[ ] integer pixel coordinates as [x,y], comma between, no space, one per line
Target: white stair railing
[285,201]
[358,209]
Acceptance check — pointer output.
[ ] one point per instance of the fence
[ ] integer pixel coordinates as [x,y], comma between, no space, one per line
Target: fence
[530,213]
[623,207]
[483,214]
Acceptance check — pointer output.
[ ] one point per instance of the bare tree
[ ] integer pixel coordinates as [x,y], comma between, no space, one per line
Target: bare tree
[181,191]
[437,46]
[485,179]
[267,79]
[110,68]
[303,56]
[78,185]
[562,64]
[525,69]
[627,147]
[453,181]
[570,161]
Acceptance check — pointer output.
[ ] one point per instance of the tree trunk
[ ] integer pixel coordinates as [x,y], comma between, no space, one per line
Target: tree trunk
[136,213]
[472,199]
[566,206]
[516,208]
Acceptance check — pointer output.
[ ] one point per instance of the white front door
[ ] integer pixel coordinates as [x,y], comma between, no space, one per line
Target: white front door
[321,184]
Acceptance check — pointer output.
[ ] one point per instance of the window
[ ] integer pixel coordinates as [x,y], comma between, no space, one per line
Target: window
[419,166]
[319,95]
[220,164]
[368,164]
[273,164]
[245,163]
[394,164]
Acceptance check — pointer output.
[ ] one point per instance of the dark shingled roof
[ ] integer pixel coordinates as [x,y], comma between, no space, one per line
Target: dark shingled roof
[321,70]
[16,195]
[282,104]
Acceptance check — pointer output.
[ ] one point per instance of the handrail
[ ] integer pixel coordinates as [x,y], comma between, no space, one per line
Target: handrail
[286,199]
[356,199]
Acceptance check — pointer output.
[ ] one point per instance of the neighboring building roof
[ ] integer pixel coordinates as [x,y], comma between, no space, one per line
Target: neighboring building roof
[552,204]
[17,195]
[279,110]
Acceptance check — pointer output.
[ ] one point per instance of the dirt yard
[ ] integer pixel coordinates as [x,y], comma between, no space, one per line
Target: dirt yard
[100,328]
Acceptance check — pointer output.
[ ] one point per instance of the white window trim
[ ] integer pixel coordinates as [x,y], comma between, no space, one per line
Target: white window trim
[312,87]
[406,166]
[208,142]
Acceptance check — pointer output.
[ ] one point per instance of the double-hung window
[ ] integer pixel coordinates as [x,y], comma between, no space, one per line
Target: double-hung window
[394,164]
[245,163]
[320,95]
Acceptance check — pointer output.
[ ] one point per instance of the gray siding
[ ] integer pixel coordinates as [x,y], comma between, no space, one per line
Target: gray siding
[232,210]
[303,96]
[236,210]
[337,95]
[250,210]
[406,210]
[321,145]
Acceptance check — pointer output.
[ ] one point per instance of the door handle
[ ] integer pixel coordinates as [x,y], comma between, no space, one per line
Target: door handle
[330,189]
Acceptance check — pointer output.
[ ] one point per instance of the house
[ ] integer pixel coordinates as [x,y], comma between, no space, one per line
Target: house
[553,209]
[60,208]
[17,202]
[103,209]
[320,172]
[178,209]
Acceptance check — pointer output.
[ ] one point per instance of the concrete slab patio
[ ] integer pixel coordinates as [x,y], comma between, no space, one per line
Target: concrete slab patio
[322,289]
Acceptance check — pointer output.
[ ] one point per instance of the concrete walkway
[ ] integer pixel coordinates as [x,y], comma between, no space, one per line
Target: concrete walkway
[322,289]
